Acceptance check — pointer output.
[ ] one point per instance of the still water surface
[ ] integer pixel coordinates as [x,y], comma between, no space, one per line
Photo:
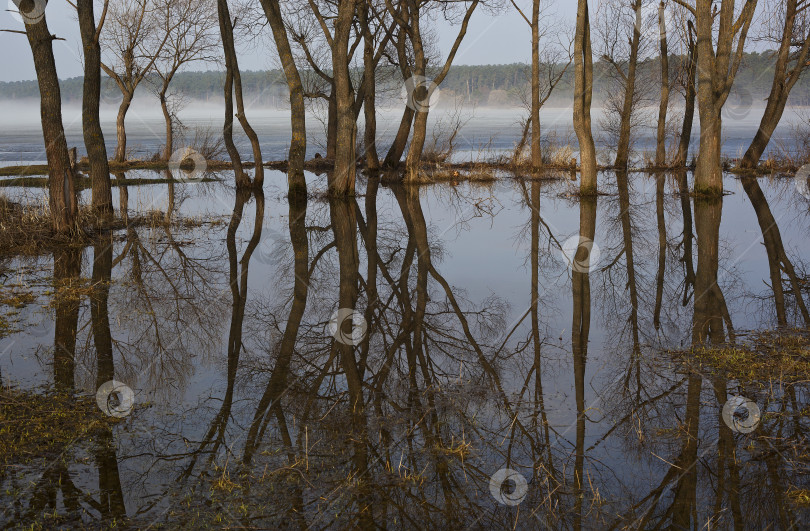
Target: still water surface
[484,349]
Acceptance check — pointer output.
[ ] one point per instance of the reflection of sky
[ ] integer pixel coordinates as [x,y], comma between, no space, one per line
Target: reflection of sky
[479,258]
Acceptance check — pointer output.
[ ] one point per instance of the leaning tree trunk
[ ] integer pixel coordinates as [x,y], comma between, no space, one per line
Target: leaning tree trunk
[120,128]
[625,126]
[783,82]
[298,141]
[397,148]
[91,124]
[661,138]
[583,95]
[689,104]
[341,181]
[62,193]
[168,149]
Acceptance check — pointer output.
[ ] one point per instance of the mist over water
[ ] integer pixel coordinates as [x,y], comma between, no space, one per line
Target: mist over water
[485,131]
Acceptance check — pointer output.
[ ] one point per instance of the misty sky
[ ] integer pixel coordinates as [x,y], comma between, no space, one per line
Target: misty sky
[491,39]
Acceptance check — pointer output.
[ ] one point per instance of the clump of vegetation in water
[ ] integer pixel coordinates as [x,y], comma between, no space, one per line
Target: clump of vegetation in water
[43,426]
[762,356]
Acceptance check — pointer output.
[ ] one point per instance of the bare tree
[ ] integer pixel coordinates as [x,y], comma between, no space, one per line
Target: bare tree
[719,53]
[421,91]
[91,121]
[583,96]
[61,178]
[190,26]
[620,30]
[132,41]
[546,73]
[661,134]
[787,23]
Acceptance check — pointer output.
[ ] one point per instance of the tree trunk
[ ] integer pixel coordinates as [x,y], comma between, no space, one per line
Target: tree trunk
[537,156]
[397,148]
[661,137]
[689,104]
[370,92]
[91,124]
[625,128]
[241,179]
[341,181]
[583,95]
[167,119]
[62,193]
[233,85]
[298,141]
[331,124]
[120,128]
[716,72]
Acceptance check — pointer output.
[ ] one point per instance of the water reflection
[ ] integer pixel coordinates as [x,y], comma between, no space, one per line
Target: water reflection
[249,411]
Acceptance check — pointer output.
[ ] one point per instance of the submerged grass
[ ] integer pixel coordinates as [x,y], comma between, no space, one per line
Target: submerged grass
[36,426]
[762,356]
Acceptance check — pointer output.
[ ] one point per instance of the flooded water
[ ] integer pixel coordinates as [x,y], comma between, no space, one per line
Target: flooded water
[497,376]
[484,132]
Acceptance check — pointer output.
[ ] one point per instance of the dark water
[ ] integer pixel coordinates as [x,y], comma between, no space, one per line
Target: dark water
[484,348]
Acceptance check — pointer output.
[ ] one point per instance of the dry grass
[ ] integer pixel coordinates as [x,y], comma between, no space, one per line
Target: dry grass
[34,426]
[763,356]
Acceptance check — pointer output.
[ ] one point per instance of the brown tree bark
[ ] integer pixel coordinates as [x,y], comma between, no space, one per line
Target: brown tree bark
[397,148]
[661,136]
[785,78]
[120,128]
[234,79]
[342,178]
[370,92]
[717,69]
[689,103]
[625,127]
[91,124]
[423,93]
[298,141]
[583,95]
[61,179]
[537,155]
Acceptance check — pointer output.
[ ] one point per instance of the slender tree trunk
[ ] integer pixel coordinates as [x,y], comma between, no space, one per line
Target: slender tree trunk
[783,82]
[91,124]
[331,124]
[397,148]
[62,197]
[233,85]
[583,95]
[168,149]
[625,127]
[661,137]
[370,92]
[537,156]
[298,141]
[227,132]
[689,104]
[120,128]
[343,177]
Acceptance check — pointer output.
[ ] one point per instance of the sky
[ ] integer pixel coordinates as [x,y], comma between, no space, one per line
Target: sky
[491,39]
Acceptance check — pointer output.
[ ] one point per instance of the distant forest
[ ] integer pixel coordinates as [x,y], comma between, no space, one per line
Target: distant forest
[494,85]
